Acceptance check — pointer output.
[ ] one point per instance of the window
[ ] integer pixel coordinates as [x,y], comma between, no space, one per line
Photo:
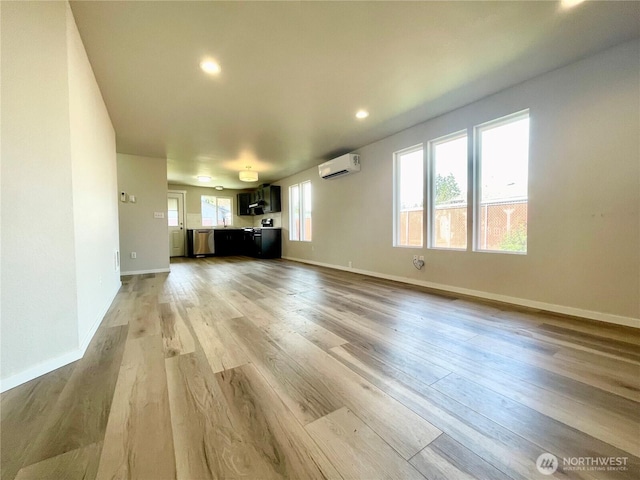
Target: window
[502,156]
[300,212]
[306,211]
[172,211]
[409,197]
[448,192]
[216,211]
[294,212]
[499,163]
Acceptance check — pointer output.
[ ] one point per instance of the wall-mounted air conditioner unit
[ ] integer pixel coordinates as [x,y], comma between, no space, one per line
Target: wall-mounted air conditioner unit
[342,165]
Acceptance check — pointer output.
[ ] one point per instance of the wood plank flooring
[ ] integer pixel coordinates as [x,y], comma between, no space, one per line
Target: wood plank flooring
[232,368]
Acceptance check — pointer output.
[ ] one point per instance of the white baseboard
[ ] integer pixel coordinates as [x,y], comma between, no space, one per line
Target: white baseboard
[142,272]
[40,369]
[55,363]
[99,318]
[549,307]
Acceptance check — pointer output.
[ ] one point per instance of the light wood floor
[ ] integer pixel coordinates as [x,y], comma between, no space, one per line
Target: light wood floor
[241,368]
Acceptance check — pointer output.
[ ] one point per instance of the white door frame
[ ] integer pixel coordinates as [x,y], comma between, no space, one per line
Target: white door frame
[184,218]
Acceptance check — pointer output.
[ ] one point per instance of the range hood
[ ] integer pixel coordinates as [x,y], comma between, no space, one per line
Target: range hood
[258,204]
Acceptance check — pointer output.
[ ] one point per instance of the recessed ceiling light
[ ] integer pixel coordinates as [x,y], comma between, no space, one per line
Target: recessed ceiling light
[210,66]
[219,187]
[570,3]
[362,114]
[204,178]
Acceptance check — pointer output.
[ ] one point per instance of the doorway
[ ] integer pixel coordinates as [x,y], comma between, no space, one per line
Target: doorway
[176,217]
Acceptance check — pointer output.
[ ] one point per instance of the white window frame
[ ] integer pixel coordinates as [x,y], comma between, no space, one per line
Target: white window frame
[396,195]
[477,174]
[293,229]
[217,197]
[431,189]
[300,230]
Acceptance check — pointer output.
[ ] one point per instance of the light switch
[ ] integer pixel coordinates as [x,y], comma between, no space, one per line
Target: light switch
[132,198]
[158,214]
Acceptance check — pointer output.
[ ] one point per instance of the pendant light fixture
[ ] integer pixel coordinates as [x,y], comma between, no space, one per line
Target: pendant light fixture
[248,175]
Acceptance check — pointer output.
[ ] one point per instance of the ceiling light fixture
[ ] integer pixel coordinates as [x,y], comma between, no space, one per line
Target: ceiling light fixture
[248,176]
[219,187]
[570,3]
[361,114]
[204,178]
[210,66]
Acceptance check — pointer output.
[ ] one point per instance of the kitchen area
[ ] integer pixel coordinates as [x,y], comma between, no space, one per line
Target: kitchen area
[245,223]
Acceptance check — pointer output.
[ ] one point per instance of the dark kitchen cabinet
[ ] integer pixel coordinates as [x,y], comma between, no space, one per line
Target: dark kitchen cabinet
[265,199]
[253,242]
[229,242]
[248,244]
[244,200]
[271,198]
[267,243]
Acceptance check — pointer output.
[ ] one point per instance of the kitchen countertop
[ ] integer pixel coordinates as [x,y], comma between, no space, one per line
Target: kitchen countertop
[235,228]
[218,228]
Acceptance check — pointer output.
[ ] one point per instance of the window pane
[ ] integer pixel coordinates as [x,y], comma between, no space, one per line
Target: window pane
[294,212]
[449,214]
[503,182]
[306,203]
[410,198]
[224,211]
[216,211]
[172,211]
[208,210]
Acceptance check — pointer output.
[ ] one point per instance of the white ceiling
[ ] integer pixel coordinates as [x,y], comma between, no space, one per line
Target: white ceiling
[294,73]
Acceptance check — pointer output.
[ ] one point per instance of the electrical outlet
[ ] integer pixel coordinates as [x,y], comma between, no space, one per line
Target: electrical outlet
[415,257]
[350,264]
[133,254]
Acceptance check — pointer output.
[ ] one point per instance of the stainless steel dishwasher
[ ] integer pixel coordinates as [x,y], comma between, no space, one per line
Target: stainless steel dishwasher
[203,242]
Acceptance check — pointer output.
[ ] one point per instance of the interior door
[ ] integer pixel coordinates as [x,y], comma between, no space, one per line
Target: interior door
[175,216]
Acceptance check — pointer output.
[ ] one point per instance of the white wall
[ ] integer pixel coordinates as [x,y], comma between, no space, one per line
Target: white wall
[584,198]
[45,239]
[39,309]
[0,175]
[95,186]
[140,232]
